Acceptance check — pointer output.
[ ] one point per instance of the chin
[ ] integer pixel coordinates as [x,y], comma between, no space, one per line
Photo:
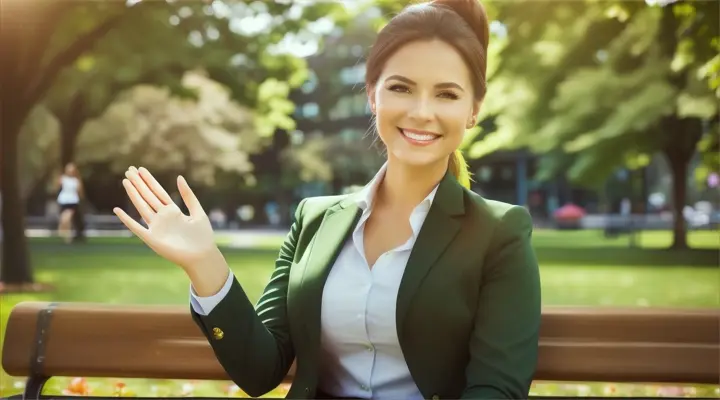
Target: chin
[417,159]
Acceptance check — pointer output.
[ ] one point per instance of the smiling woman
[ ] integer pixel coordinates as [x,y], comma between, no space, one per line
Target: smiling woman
[400,290]
[449,40]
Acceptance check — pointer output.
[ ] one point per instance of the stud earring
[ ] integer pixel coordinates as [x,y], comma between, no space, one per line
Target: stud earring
[471,123]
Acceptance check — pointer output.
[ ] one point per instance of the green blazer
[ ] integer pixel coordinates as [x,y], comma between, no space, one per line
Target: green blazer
[468,307]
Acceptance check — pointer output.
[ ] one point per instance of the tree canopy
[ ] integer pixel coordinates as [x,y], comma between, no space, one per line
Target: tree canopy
[76,55]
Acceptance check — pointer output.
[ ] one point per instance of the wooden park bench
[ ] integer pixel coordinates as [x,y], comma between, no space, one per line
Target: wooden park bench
[640,345]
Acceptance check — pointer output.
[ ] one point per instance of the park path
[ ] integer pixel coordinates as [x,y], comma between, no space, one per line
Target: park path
[242,238]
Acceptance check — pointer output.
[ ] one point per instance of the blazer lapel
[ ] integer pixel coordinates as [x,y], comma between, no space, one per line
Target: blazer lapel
[338,223]
[437,232]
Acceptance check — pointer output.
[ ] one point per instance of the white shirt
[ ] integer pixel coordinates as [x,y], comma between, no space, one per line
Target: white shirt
[69,190]
[360,351]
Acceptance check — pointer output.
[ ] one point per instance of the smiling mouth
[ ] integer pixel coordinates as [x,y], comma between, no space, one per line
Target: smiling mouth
[419,137]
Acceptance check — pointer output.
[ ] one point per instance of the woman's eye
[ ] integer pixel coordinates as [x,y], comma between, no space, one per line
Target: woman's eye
[449,95]
[398,88]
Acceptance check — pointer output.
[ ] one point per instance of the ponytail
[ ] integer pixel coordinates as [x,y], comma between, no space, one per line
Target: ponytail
[459,168]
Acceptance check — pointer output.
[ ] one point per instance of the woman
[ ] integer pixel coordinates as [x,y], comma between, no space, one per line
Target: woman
[414,287]
[68,199]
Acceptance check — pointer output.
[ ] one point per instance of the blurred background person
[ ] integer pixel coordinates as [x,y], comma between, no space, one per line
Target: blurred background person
[70,193]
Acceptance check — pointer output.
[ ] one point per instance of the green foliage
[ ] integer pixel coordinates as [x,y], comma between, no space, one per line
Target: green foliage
[594,84]
[156,45]
[38,148]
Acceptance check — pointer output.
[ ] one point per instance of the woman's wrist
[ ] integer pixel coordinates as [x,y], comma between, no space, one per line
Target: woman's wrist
[209,274]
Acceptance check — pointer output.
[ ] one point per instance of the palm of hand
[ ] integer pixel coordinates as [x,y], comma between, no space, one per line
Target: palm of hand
[179,237]
[182,239]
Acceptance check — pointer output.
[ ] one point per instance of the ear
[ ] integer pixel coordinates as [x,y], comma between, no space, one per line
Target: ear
[476,109]
[371,99]
[371,102]
[473,120]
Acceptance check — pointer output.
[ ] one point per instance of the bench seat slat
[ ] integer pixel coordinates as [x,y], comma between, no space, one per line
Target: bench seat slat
[577,343]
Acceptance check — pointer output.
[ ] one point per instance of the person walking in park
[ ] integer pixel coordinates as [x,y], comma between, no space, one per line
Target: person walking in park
[69,196]
[413,287]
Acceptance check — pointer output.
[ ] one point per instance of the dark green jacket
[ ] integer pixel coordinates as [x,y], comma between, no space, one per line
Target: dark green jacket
[468,308]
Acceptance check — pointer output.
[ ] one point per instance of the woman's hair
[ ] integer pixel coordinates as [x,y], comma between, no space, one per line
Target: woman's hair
[461,23]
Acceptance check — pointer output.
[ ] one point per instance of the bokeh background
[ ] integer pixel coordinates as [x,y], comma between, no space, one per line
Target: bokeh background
[601,118]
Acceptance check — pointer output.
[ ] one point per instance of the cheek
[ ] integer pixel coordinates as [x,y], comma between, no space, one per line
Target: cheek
[453,119]
[390,112]
[389,106]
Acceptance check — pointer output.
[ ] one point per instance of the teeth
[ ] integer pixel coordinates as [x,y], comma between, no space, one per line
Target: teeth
[415,136]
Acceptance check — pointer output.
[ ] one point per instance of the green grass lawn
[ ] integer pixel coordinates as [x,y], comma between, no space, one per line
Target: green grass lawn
[577,268]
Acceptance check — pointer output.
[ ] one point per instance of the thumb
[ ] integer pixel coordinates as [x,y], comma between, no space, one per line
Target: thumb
[191,202]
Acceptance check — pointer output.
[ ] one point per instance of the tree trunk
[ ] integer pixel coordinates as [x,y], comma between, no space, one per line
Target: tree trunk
[679,170]
[683,139]
[15,267]
[70,125]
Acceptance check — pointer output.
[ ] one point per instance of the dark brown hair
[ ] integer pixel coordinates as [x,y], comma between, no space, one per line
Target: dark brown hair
[462,24]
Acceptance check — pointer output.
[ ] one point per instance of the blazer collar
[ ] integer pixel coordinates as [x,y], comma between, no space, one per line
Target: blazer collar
[448,195]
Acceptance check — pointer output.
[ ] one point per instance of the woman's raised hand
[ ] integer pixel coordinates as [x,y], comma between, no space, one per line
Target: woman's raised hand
[182,239]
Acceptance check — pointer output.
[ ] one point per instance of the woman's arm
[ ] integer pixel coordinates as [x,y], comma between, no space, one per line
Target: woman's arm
[255,347]
[504,343]
[81,189]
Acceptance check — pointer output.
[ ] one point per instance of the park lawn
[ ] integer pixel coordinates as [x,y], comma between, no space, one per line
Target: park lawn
[577,268]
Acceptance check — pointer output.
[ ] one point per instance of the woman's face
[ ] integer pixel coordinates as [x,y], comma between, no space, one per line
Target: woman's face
[423,102]
[70,169]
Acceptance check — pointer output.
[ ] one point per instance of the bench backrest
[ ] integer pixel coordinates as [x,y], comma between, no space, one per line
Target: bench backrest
[577,343]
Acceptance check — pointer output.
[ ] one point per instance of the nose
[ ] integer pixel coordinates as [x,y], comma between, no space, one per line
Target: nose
[422,109]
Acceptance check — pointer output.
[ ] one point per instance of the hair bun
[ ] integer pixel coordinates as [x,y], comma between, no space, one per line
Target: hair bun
[473,12]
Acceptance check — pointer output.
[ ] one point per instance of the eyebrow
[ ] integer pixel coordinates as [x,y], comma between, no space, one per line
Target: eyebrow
[443,85]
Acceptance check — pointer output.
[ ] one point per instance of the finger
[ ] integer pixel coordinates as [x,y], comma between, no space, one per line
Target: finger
[139,230]
[150,198]
[155,186]
[191,201]
[143,208]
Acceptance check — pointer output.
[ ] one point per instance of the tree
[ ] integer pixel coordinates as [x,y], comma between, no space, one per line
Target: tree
[600,85]
[147,126]
[37,148]
[41,40]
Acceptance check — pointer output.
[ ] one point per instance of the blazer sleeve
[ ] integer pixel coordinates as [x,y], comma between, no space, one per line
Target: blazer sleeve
[255,347]
[505,340]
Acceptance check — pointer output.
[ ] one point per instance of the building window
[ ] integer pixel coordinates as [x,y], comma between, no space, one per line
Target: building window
[310,110]
[350,135]
[361,106]
[297,137]
[341,110]
[350,106]
[507,173]
[353,75]
[484,173]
